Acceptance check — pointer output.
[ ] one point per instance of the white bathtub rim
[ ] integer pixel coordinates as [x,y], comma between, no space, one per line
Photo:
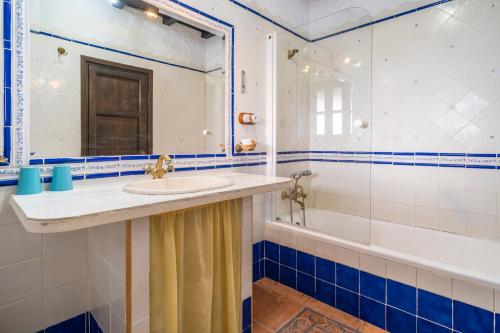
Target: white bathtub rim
[442,269]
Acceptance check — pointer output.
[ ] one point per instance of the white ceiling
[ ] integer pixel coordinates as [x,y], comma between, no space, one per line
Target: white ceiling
[315,18]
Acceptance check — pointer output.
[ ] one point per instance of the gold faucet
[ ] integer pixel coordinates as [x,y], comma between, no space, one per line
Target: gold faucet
[158,172]
[297,192]
[3,159]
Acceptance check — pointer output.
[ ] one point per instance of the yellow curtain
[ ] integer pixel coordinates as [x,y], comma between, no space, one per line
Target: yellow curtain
[195,273]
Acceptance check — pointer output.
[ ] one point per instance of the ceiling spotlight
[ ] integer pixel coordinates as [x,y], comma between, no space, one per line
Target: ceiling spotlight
[117,4]
[151,14]
[347,60]
[357,65]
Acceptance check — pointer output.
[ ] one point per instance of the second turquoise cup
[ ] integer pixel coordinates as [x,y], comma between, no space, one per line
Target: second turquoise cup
[61,178]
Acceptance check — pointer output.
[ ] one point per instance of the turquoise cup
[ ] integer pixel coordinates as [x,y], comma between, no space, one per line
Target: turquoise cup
[29,181]
[61,178]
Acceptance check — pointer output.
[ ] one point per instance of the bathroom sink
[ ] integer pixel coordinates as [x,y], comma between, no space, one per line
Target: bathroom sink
[178,185]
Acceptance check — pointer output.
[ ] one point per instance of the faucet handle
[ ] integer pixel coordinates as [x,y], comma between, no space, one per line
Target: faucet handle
[148,169]
[170,166]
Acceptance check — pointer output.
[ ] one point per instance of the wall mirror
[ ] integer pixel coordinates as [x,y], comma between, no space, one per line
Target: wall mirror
[124,78]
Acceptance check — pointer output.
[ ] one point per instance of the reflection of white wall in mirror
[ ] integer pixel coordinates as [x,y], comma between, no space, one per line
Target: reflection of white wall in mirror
[124,29]
[184,101]
[214,102]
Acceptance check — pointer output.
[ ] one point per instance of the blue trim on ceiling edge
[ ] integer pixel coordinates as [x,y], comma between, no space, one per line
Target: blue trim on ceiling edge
[436,3]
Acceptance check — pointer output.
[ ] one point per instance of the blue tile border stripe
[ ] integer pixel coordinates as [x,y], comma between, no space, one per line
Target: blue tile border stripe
[406,309]
[96,167]
[51,35]
[423,159]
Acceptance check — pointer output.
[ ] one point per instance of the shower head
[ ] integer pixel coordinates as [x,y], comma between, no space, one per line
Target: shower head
[300,174]
[292,53]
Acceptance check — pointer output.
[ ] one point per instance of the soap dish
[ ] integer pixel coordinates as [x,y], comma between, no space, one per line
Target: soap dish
[240,147]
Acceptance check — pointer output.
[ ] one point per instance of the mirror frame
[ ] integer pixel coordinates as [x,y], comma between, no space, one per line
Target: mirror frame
[16,132]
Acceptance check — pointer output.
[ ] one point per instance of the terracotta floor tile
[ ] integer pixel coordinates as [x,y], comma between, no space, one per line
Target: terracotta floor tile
[272,309]
[259,328]
[274,305]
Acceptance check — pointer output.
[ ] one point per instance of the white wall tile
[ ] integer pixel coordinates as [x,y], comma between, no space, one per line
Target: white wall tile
[6,212]
[452,221]
[247,222]
[372,265]
[113,245]
[64,241]
[141,326]
[404,214]
[452,178]
[246,283]
[404,175]
[481,226]
[473,294]
[427,217]
[18,244]
[497,301]
[258,231]
[452,199]
[117,324]
[64,267]
[305,243]
[427,176]
[99,272]
[427,196]
[100,309]
[482,202]
[347,257]
[325,250]
[363,207]
[117,292]
[20,280]
[481,180]
[140,298]
[383,210]
[402,273]
[64,302]
[23,316]
[272,233]
[287,237]
[140,247]
[434,283]
[404,193]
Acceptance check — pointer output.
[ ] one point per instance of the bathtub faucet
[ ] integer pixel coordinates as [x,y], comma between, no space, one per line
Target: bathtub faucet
[297,193]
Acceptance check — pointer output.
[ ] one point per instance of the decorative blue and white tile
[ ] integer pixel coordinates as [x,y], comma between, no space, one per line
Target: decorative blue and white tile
[452,160]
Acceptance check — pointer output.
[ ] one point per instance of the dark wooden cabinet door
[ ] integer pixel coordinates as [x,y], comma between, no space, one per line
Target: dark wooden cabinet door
[116,108]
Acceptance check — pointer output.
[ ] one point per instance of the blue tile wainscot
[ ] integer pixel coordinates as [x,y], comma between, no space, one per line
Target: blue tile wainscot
[388,304]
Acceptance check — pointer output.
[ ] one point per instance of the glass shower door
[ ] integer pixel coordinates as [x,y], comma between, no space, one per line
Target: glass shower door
[323,113]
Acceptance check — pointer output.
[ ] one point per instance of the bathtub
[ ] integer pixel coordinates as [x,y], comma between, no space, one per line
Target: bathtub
[447,254]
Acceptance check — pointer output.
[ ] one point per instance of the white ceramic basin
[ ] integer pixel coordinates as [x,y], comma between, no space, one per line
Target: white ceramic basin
[178,185]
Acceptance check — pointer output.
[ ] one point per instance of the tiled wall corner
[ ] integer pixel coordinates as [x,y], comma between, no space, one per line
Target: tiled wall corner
[106,288]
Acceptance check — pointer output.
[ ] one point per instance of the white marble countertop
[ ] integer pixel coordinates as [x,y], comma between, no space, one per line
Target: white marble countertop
[95,203]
